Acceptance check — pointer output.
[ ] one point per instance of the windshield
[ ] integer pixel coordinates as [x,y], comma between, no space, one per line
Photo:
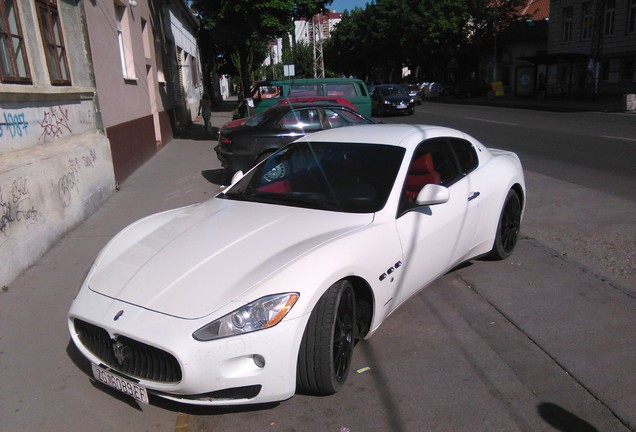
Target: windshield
[343,177]
[392,90]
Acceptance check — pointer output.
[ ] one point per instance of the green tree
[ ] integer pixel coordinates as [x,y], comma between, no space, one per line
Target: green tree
[425,35]
[241,29]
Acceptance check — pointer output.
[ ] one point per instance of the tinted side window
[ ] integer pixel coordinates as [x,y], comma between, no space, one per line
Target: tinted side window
[301,120]
[466,155]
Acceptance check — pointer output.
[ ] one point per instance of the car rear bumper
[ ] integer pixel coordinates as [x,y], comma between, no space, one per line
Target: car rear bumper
[234,162]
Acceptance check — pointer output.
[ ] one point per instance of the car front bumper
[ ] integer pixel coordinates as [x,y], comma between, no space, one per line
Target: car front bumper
[257,367]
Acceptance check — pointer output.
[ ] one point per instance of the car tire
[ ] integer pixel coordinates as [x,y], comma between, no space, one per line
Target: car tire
[326,349]
[508,227]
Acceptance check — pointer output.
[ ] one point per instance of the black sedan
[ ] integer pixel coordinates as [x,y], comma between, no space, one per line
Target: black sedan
[391,99]
[243,146]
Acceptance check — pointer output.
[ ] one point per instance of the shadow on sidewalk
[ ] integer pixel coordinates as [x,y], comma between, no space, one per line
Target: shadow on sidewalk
[197,132]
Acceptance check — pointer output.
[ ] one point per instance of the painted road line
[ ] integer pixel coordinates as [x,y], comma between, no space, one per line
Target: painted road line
[491,121]
[618,138]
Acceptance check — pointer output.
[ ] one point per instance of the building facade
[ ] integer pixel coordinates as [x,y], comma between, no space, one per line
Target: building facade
[89,90]
[55,163]
[147,74]
[592,47]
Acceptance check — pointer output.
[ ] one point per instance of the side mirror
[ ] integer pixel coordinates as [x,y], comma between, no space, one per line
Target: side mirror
[432,194]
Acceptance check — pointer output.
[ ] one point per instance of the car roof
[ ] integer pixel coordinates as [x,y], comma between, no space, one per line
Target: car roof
[402,135]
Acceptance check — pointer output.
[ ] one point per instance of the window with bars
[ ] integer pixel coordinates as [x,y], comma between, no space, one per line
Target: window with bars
[608,18]
[631,17]
[568,21]
[53,40]
[14,64]
[587,20]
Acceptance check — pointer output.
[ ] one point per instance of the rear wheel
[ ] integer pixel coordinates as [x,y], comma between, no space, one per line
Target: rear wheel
[327,346]
[508,227]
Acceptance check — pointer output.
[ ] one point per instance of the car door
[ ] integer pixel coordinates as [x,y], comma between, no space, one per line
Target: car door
[432,236]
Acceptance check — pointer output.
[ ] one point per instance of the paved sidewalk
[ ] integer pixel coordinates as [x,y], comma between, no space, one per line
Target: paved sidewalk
[41,387]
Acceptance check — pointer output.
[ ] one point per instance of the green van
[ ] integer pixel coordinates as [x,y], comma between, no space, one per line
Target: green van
[266,94]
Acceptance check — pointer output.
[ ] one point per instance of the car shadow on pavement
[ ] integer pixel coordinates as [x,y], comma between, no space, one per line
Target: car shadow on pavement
[219,177]
[563,420]
[197,132]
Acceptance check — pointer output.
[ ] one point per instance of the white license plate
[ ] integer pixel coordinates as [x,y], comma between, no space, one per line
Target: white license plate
[123,385]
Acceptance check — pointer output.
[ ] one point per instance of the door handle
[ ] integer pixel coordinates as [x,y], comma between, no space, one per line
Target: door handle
[473,195]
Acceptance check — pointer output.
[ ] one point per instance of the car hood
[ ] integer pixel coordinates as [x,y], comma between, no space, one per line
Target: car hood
[190,262]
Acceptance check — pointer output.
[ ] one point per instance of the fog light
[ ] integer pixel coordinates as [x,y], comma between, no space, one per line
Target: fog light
[259,360]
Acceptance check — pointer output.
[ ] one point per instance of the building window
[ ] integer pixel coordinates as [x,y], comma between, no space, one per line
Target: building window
[53,39]
[631,17]
[587,22]
[13,59]
[122,27]
[568,14]
[608,17]
[627,70]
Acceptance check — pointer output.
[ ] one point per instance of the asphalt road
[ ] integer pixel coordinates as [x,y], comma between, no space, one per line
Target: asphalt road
[542,341]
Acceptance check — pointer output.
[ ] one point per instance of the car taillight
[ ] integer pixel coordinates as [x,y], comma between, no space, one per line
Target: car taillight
[223,140]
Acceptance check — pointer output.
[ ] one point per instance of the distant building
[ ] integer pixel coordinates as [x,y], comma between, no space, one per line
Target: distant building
[591,47]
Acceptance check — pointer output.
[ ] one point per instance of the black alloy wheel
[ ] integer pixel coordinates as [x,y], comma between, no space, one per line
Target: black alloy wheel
[326,350]
[508,228]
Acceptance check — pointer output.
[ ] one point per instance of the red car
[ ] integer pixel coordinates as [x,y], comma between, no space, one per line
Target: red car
[308,99]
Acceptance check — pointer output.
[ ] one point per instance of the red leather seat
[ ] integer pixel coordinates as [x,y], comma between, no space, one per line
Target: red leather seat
[421,172]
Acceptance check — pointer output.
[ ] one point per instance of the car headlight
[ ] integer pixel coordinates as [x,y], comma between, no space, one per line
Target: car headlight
[412,100]
[258,315]
[387,102]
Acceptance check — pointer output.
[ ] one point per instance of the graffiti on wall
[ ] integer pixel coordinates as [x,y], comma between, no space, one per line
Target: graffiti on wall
[14,124]
[17,207]
[67,185]
[55,123]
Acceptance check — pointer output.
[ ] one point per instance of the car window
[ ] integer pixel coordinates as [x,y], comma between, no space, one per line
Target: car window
[305,90]
[392,90]
[343,90]
[466,154]
[301,120]
[344,177]
[341,117]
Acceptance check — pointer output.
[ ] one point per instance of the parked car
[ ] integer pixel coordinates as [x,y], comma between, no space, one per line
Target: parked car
[265,289]
[265,94]
[471,88]
[391,99]
[241,147]
[414,91]
[283,101]
[435,90]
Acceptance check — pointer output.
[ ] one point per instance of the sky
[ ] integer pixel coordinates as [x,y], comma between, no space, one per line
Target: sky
[342,5]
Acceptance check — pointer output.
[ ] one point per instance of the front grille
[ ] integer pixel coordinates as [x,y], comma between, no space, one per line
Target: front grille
[139,360]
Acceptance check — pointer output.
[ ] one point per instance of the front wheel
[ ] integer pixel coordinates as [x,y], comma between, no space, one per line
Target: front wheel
[327,345]
[508,227]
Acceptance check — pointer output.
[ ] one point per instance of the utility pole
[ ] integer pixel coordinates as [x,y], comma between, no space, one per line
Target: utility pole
[319,64]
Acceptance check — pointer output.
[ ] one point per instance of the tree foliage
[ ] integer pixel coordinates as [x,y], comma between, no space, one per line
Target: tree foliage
[425,35]
[240,30]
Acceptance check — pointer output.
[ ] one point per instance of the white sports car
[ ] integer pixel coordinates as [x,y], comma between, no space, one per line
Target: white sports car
[265,289]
